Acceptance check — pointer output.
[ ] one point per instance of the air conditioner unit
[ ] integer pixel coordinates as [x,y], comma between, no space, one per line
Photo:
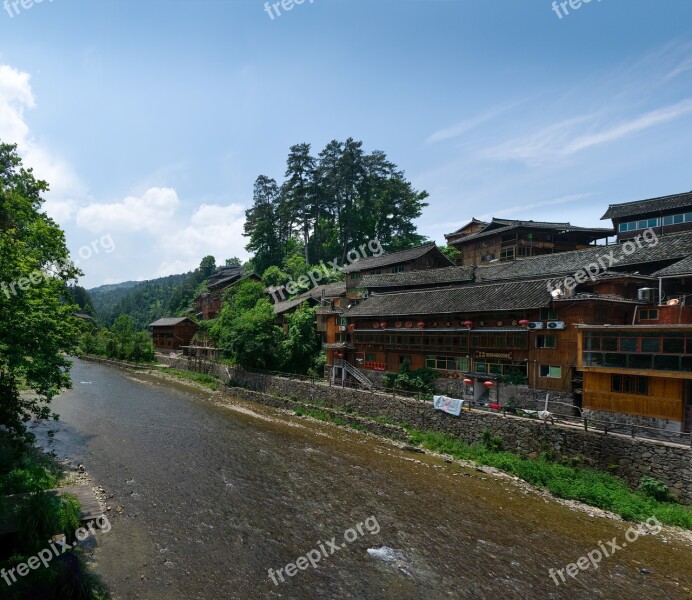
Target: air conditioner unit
[536,325]
[556,324]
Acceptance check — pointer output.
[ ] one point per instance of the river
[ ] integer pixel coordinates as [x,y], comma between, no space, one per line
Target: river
[214,495]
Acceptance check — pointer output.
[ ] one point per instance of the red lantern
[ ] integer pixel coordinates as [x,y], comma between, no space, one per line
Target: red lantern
[524,322]
[383,325]
[421,324]
[352,326]
[398,324]
[468,381]
[468,324]
[376,325]
[409,324]
[488,384]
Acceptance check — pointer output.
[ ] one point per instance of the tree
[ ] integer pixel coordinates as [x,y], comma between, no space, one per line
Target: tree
[301,344]
[299,192]
[124,330]
[264,227]
[234,262]
[207,267]
[275,277]
[37,328]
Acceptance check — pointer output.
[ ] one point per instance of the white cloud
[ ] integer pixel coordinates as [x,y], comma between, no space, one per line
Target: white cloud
[16,97]
[464,126]
[212,230]
[148,212]
[650,119]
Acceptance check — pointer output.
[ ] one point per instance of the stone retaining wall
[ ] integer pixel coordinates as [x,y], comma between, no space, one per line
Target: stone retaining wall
[617,454]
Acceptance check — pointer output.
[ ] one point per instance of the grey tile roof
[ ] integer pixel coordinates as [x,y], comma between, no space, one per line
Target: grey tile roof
[647,259]
[168,321]
[393,258]
[429,277]
[461,299]
[682,267]
[510,225]
[652,205]
[283,307]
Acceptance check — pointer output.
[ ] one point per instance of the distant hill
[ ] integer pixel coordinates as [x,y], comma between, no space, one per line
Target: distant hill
[144,301]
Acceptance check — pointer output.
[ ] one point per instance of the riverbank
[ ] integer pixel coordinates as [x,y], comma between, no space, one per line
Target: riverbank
[581,488]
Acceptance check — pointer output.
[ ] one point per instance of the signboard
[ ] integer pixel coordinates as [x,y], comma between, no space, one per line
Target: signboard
[488,355]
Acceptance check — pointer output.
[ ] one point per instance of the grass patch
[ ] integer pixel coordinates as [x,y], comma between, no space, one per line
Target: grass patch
[572,483]
[26,470]
[208,381]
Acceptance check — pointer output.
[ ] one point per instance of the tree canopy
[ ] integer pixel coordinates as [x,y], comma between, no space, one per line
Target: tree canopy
[330,204]
[36,322]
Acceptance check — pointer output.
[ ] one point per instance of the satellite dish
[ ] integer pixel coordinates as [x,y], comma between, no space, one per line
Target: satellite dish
[556,293]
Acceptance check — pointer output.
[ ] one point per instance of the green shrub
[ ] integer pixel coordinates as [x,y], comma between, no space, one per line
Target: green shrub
[654,488]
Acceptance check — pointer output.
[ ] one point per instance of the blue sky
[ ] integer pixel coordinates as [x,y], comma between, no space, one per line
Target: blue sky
[151,119]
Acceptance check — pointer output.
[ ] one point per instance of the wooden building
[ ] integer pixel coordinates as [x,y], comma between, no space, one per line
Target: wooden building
[665,215]
[504,240]
[427,256]
[208,305]
[170,334]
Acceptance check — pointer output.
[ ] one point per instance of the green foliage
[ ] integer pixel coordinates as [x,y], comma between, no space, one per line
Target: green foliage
[37,329]
[654,488]
[275,277]
[330,204]
[450,252]
[301,343]
[120,342]
[420,380]
[515,378]
[204,379]
[573,483]
[491,442]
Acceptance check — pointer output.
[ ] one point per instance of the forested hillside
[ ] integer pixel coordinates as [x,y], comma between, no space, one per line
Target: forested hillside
[144,301]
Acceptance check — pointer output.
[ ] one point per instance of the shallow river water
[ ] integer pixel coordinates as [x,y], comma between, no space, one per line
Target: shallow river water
[213,496]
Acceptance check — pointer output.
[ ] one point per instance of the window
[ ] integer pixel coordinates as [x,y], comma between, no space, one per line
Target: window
[404,359]
[546,341]
[377,272]
[371,358]
[550,371]
[630,384]
[507,253]
[399,269]
[342,321]
[487,257]
[447,363]
[355,275]
[548,314]
[648,315]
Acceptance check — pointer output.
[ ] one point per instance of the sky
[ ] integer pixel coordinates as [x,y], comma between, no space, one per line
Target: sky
[151,119]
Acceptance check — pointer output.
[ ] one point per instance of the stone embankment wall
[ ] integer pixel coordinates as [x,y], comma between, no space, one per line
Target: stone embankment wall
[617,454]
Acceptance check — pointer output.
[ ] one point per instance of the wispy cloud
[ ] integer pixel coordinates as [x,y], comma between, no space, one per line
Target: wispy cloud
[645,121]
[462,127]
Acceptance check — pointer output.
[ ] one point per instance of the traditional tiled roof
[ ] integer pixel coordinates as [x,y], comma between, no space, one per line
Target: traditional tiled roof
[331,290]
[284,307]
[682,267]
[428,277]
[650,206]
[504,225]
[168,321]
[460,299]
[394,258]
[648,258]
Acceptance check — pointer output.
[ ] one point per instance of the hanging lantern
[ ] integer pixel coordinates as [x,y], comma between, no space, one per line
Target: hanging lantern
[409,324]
[421,324]
[468,324]
[488,384]
[524,322]
[383,325]
[468,381]
[376,325]
[352,326]
[398,324]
